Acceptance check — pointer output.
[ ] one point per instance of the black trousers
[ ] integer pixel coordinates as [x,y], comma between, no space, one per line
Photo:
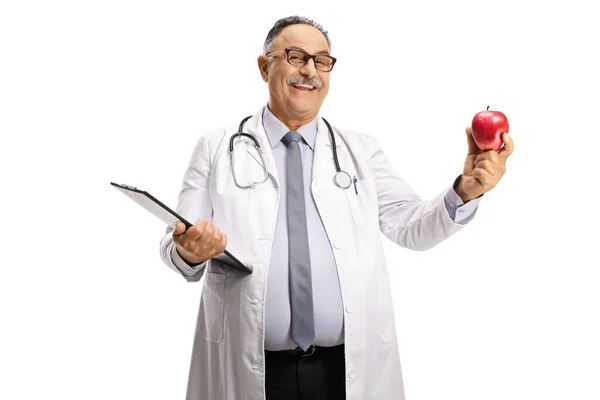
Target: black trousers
[318,374]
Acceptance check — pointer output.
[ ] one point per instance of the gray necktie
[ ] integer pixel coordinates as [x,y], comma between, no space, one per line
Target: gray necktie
[303,326]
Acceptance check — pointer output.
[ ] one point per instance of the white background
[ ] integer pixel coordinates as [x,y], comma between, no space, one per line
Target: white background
[93,92]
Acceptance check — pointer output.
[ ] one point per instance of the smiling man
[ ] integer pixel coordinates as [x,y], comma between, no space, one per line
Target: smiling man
[297,87]
[307,212]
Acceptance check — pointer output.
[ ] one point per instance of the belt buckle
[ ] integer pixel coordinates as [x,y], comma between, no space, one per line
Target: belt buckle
[312,349]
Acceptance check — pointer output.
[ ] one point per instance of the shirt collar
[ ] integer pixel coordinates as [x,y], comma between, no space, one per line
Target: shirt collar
[276,129]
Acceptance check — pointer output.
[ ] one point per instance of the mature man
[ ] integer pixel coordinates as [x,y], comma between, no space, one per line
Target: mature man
[314,320]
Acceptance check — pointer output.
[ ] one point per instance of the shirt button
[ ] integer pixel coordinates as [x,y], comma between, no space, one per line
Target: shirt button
[349,307]
[336,244]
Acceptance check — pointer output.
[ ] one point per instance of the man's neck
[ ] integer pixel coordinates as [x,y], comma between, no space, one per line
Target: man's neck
[293,123]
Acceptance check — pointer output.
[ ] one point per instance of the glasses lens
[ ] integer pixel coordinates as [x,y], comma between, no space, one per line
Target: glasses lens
[297,58]
[324,63]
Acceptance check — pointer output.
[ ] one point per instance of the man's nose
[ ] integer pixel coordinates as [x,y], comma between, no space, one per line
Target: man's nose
[308,70]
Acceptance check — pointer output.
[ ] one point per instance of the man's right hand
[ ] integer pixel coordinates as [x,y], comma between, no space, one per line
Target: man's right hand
[200,242]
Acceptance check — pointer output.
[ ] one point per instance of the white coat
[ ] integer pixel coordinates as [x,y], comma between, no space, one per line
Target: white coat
[228,361]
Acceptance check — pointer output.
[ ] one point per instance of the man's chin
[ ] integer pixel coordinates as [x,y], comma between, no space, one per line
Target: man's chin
[303,108]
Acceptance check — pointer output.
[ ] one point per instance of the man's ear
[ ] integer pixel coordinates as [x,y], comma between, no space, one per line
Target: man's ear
[263,66]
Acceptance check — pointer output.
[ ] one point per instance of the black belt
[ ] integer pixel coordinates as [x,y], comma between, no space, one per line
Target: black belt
[312,352]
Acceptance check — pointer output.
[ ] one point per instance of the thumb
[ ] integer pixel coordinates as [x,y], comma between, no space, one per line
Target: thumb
[508,147]
[179,228]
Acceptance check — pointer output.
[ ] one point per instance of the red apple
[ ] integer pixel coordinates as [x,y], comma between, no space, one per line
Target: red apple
[488,128]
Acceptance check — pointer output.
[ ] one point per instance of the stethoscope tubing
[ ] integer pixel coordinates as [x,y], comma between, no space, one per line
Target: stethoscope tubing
[342,179]
[251,137]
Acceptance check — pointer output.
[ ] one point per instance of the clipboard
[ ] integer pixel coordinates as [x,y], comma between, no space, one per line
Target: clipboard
[170,217]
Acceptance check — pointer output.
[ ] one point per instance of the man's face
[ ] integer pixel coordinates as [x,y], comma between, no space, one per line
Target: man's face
[289,95]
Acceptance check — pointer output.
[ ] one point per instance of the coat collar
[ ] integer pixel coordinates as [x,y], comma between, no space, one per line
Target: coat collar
[276,129]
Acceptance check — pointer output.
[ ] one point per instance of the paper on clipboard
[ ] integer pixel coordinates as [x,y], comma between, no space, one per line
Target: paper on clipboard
[153,205]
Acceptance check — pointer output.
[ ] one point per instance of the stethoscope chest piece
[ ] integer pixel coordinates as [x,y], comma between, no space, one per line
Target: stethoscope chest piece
[342,179]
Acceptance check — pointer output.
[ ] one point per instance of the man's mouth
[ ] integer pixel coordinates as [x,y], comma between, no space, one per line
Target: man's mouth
[303,86]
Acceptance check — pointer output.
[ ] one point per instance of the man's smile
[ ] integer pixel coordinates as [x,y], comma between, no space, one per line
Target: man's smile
[302,86]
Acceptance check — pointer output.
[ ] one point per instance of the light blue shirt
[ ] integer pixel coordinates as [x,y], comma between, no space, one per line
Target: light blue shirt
[327,298]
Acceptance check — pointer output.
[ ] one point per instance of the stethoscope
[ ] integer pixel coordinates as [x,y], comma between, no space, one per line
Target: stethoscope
[341,178]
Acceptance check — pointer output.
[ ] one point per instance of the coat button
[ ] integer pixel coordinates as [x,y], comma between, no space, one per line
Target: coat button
[351,373]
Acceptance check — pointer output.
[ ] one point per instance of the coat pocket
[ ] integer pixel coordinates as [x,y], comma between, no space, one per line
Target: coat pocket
[213,299]
[385,310]
[362,210]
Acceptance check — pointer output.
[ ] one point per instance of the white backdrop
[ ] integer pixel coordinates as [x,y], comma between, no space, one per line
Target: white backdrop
[93,92]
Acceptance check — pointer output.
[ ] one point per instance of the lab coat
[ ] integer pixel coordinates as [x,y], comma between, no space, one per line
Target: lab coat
[228,361]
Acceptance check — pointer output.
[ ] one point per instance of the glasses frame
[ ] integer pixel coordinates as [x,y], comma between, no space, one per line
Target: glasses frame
[313,56]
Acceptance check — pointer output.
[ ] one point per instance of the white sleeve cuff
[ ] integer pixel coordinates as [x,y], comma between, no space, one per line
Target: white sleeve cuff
[182,265]
[458,211]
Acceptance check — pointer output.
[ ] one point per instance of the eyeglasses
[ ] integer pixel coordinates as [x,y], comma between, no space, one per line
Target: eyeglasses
[299,58]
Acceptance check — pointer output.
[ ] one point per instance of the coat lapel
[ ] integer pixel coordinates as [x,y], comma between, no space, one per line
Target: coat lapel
[323,163]
[255,127]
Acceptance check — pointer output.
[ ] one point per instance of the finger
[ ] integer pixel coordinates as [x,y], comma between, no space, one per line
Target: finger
[196,231]
[491,155]
[485,179]
[508,147]
[473,148]
[469,165]
[223,244]
[213,242]
[204,241]
[219,242]
[488,166]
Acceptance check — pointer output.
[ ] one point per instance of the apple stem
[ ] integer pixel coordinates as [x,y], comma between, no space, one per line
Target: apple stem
[488,108]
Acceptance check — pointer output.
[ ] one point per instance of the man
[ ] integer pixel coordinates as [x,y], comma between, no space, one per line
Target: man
[314,320]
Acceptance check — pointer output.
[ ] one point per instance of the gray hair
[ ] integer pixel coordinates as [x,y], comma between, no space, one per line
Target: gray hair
[285,22]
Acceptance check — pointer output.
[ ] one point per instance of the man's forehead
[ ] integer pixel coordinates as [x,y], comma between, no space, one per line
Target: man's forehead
[304,37]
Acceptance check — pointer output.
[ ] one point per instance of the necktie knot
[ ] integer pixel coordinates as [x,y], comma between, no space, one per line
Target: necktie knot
[291,137]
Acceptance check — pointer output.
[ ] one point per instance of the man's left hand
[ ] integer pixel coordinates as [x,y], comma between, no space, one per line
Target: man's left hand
[483,169]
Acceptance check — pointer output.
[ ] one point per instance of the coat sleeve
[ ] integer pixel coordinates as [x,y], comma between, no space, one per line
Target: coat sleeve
[194,202]
[404,217]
